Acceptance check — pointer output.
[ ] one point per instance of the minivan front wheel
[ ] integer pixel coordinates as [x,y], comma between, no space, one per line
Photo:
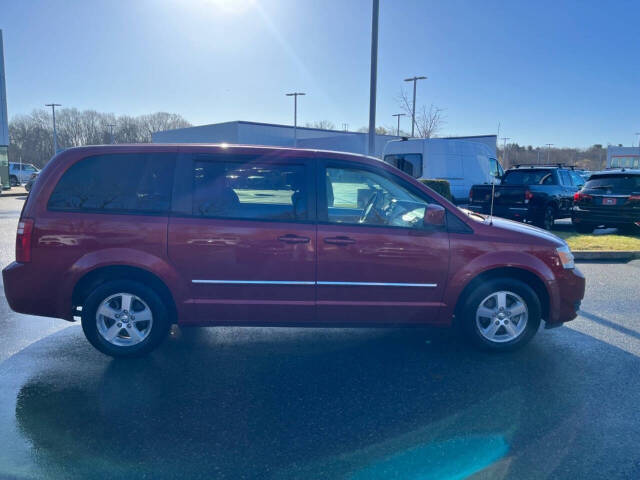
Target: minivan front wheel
[123,318]
[502,314]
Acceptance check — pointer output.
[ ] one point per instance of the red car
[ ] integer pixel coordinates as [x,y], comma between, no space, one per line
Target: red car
[131,239]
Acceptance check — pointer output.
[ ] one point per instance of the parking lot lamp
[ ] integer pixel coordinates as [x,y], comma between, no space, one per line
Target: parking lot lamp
[111,125]
[374,77]
[398,115]
[549,145]
[55,134]
[295,115]
[413,108]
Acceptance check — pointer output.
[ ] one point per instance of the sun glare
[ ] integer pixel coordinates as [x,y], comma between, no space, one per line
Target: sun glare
[231,6]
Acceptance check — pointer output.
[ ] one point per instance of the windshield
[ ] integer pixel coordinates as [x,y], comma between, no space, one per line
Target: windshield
[620,184]
[528,177]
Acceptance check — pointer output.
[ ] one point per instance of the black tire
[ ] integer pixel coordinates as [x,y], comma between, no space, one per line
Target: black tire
[472,303]
[547,218]
[13,180]
[584,227]
[630,229]
[158,329]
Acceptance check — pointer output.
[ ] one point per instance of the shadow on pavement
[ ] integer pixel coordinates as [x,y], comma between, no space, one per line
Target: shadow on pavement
[297,403]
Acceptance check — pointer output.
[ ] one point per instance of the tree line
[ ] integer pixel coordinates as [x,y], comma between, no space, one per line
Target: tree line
[592,158]
[31,136]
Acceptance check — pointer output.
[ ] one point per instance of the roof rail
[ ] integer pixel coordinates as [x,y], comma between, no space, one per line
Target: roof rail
[543,165]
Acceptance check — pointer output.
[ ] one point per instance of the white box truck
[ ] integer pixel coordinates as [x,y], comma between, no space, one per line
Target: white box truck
[462,163]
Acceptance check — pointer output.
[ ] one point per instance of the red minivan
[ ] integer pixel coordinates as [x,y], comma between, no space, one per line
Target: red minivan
[133,238]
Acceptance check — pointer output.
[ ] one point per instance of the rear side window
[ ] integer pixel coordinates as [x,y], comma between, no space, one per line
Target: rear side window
[120,183]
[409,163]
[249,190]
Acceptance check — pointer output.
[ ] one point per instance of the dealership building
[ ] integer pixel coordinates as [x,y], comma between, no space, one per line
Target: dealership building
[623,157]
[255,133]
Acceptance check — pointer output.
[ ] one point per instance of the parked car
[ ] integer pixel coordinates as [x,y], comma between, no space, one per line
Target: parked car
[530,193]
[609,199]
[131,239]
[29,184]
[20,173]
[461,162]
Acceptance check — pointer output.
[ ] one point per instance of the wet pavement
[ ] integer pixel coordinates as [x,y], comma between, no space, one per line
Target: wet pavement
[326,403]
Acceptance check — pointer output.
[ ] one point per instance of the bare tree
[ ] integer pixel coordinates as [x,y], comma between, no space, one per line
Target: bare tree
[31,136]
[429,121]
[322,124]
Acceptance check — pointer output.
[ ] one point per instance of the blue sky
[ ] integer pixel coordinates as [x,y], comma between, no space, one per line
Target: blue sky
[556,72]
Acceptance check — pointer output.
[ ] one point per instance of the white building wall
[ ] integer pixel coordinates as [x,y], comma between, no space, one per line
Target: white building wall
[216,133]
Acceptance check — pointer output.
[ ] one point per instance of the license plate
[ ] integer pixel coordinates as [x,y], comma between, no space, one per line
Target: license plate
[609,201]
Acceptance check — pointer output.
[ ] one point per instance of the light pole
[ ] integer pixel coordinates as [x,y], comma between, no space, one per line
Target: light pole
[398,115]
[111,125]
[549,145]
[413,108]
[374,77]
[638,135]
[295,115]
[55,134]
[504,150]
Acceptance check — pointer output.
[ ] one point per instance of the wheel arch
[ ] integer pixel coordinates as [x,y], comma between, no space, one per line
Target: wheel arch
[90,280]
[526,276]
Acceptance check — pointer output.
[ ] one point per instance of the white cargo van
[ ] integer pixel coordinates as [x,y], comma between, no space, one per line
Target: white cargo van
[462,163]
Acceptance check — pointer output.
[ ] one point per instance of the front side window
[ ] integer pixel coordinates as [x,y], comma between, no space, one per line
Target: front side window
[495,169]
[409,163]
[125,183]
[566,179]
[249,191]
[577,179]
[362,197]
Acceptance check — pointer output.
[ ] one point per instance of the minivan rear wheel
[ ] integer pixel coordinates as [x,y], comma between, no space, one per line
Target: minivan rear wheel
[501,314]
[123,318]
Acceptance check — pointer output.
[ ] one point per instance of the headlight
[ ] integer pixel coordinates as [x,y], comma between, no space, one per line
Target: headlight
[565,256]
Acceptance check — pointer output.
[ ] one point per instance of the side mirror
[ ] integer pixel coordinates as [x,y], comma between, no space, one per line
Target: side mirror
[434,215]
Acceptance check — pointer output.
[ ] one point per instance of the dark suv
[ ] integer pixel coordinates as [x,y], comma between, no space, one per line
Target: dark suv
[608,199]
[130,239]
[530,193]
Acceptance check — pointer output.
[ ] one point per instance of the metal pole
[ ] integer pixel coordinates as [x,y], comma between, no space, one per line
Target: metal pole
[549,145]
[295,115]
[374,77]
[55,133]
[398,115]
[504,150]
[413,108]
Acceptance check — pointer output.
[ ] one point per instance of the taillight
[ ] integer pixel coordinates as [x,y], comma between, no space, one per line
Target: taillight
[23,240]
[579,197]
[634,198]
[527,196]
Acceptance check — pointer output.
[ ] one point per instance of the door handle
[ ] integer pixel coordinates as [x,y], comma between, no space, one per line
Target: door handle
[341,240]
[293,238]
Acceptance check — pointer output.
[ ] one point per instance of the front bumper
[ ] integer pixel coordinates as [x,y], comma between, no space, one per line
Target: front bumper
[567,294]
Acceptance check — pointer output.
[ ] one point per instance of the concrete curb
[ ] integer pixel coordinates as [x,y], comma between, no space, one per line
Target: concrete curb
[606,255]
[14,193]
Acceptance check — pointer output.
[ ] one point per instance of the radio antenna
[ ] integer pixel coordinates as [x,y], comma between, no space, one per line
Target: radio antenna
[493,190]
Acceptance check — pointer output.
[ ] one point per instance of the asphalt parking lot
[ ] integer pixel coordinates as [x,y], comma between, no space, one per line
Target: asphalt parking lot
[310,403]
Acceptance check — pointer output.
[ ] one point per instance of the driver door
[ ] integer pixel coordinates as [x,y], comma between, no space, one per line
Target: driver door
[377,262]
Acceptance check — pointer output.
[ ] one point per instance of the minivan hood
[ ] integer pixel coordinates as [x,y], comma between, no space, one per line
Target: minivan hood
[512,226]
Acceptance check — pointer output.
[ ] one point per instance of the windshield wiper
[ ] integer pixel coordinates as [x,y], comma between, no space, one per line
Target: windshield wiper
[601,187]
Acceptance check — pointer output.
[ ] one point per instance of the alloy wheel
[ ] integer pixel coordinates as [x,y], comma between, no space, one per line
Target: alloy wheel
[124,319]
[502,316]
